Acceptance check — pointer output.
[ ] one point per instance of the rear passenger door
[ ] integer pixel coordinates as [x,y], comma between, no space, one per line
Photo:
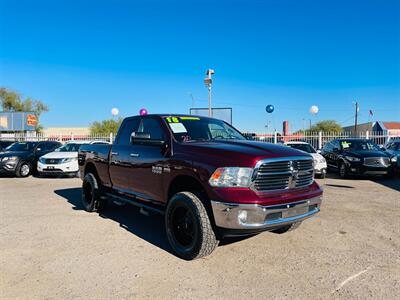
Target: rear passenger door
[120,159]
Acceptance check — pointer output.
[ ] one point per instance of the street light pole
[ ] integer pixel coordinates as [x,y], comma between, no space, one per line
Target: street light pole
[208,83]
[209,101]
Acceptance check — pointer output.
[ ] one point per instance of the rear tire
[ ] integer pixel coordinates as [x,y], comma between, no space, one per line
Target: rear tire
[188,227]
[24,169]
[287,228]
[91,200]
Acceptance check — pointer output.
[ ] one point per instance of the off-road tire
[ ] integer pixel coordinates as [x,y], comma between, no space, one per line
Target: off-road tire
[287,228]
[91,200]
[204,240]
[21,169]
[343,172]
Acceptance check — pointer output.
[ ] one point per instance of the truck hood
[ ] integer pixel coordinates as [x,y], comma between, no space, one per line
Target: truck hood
[57,154]
[239,152]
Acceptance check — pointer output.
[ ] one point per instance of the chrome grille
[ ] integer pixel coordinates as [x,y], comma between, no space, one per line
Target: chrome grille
[283,174]
[376,161]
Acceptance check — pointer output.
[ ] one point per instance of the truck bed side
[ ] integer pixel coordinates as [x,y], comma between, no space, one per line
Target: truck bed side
[95,158]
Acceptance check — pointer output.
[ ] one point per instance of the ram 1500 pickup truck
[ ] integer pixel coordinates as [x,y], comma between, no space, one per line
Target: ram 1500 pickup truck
[207,180]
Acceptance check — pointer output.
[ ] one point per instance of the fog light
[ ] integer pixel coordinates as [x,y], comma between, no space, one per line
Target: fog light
[353,169]
[242,216]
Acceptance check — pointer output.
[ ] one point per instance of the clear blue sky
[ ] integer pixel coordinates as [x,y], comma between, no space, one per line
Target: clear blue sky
[84,57]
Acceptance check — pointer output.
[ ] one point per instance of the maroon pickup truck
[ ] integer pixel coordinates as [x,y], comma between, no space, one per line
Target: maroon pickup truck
[205,178]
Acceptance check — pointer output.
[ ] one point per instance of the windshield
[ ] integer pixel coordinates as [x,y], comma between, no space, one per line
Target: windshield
[303,147]
[187,129]
[358,145]
[21,146]
[70,147]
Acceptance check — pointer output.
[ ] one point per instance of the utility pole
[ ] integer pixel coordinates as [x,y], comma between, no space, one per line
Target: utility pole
[355,119]
[208,83]
[191,96]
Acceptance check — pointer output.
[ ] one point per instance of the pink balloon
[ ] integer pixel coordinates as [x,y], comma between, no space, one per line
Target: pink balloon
[143,112]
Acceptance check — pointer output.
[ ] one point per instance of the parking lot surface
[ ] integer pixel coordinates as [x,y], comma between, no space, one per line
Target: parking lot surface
[51,249]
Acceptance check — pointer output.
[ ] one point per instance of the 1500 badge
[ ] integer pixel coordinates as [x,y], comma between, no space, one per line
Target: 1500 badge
[159,169]
[156,170]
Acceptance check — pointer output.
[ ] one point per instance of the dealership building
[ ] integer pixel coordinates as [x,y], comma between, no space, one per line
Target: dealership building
[378,127]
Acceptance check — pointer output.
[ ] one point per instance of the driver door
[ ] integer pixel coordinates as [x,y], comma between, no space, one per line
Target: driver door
[149,161]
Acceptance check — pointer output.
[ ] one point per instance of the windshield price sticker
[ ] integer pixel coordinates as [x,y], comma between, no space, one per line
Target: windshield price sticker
[177,127]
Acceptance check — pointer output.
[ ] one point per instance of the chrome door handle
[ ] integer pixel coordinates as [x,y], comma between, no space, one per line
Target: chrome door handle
[134,154]
[114,153]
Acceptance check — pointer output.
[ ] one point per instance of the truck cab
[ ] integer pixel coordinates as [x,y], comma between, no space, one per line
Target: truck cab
[207,180]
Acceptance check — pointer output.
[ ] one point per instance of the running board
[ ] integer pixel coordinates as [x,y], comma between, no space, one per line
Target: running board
[143,207]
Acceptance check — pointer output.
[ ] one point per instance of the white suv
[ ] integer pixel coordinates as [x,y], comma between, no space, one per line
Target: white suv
[64,160]
[320,165]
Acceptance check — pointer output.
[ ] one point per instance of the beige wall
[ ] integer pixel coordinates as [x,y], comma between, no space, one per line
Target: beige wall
[66,131]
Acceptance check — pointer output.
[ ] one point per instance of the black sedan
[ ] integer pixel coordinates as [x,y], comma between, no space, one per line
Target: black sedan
[20,159]
[358,157]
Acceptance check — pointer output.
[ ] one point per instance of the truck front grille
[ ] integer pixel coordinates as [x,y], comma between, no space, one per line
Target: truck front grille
[376,162]
[284,174]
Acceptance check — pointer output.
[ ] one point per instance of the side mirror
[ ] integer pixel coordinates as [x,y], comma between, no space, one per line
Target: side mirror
[144,138]
[319,151]
[38,149]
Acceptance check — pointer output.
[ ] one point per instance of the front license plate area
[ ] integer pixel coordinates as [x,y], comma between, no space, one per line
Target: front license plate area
[50,168]
[295,211]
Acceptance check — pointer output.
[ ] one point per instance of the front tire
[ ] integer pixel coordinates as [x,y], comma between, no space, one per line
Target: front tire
[91,200]
[188,227]
[24,169]
[343,173]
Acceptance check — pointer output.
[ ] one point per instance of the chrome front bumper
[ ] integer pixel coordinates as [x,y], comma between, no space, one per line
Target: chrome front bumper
[253,216]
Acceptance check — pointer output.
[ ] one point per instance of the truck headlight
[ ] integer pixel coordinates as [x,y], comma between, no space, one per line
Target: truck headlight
[352,158]
[42,160]
[393,159]
[231,177]
[9,158]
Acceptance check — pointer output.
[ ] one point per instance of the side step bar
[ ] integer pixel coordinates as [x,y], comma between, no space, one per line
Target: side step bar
[143,207]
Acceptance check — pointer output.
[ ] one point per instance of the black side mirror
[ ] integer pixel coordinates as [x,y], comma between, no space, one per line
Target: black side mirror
[144,138]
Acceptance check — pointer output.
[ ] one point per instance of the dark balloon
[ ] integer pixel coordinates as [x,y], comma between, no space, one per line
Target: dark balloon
[269,108]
